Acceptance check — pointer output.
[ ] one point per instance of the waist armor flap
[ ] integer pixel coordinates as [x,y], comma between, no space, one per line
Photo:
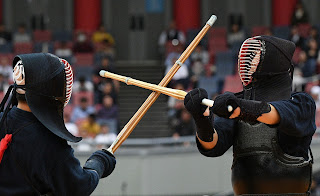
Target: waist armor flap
[261,167]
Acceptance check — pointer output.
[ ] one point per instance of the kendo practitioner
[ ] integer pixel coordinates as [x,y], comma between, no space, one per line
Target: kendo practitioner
[269,127]
[35,156]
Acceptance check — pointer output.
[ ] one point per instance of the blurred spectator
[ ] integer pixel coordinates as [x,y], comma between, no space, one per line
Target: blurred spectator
[298,83]
[108,88]
[185,126]
[105,64]
[175,108]
[312,49]
[22,35]
[199,58]
[6,69]
[82,44]
[200,54]
[314,34]
[63,50]
[82,85]
[106,49]
[101,86]
[171,33]
[315,93]
[82,111]
[89,127]
[235,35]
[5,36]
[104,137]
[4,85]
[268,32]
[318,62]
[307,66]
[108,113]
[102,35]
[235,18]
[300,14]
[71,127]
[295,37]
[182,75]
[173,103]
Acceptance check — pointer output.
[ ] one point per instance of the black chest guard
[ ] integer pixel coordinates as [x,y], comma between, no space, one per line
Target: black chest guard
[261,168]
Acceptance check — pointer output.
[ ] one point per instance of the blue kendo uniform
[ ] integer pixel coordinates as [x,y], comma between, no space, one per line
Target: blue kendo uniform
[273,159]
[36,156]
[38,159]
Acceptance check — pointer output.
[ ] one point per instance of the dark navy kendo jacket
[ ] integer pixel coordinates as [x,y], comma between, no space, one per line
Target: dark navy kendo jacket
[39,161]
[295,130]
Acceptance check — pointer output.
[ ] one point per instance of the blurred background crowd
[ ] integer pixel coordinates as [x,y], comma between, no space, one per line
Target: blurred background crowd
[143,39]
[93,112]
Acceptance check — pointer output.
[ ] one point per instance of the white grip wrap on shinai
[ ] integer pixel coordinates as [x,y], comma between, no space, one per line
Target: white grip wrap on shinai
[212,20]
[210,103]
[207,102]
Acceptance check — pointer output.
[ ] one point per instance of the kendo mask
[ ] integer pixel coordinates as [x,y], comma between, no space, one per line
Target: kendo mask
[45,81]
[265,68]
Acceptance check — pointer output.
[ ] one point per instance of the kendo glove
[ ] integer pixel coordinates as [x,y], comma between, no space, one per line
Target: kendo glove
[192,103]
[102,161]
[250,109]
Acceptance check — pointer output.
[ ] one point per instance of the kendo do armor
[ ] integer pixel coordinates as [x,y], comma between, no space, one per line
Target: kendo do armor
[260,167]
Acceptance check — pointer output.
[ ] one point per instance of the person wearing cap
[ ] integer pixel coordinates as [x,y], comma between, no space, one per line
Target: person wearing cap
[35,157]
[269,127]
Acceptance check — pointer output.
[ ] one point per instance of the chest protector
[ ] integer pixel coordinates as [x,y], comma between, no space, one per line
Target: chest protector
[260,167]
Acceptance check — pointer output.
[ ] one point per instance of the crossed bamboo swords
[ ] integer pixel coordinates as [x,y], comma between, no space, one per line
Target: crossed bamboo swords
[158,89]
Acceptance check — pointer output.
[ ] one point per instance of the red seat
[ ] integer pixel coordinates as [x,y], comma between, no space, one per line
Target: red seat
[83,59]
[2,95]
[57,44]
[295,57]
[22,48]
[169,48]
[318,117]
[259,30]
[216,45]
[8,56]
[68,109]
[232,84]
[76,96]
[42,36]
[304,29]
[217,32]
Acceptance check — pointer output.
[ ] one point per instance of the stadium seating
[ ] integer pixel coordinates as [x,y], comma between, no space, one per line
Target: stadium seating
[304,29]
[192,33]
[22,48]
[42,36]
[225,63]
[6,48]
[85,71]
[83,59]
[210,84]
[281,31]
[43,47]
[258,30]
[62,36]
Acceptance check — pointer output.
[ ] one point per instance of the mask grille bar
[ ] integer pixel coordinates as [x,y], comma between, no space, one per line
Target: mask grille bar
[249,59]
